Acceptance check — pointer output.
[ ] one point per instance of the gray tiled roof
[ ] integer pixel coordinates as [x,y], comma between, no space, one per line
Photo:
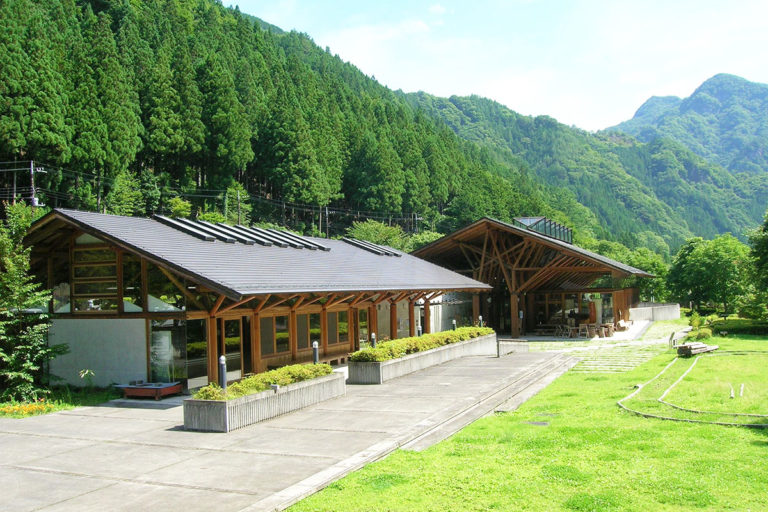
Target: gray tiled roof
[239,270]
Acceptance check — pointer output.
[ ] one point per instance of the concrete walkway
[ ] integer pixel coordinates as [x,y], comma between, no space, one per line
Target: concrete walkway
[135,456]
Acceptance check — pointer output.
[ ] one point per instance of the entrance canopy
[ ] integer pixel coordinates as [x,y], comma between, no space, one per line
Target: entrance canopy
[520,260]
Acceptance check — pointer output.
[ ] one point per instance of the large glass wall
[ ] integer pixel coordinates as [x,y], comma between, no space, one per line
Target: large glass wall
[197,353]
[168,350]
[162,293]
[94,277]
[132,296]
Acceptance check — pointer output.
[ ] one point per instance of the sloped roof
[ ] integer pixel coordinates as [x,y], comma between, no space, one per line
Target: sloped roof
[447,251]
[239,270]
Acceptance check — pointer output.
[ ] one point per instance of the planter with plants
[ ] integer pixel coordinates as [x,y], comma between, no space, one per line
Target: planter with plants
[391,359]
[260,397]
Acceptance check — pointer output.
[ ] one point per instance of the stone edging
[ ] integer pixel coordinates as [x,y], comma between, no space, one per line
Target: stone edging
[378,372]
[228,415]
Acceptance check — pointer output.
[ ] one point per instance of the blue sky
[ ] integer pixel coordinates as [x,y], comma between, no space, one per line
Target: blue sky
[589,63]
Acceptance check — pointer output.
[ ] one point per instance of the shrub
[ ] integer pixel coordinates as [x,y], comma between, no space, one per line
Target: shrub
[262,381]
[695,320]
[699,334]
[398,348]
[741,326]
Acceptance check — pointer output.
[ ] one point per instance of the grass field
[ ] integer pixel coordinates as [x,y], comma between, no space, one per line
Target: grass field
[572,448]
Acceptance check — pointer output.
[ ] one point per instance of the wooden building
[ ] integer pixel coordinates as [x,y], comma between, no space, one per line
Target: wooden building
[538,276]
[160,299]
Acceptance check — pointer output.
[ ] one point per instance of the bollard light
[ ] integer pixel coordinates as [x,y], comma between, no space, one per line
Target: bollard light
[315,353]
[480,318]
[373,339]
[420,330]
[223,372]
[454,324]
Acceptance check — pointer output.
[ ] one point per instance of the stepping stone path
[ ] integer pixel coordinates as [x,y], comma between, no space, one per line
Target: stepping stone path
[608,358]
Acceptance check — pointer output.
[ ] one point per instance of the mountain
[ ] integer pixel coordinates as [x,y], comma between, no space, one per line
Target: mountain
[131,104]
[725,120]
[641,192]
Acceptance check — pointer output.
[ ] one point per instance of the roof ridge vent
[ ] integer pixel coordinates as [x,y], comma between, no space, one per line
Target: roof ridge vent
[379,250]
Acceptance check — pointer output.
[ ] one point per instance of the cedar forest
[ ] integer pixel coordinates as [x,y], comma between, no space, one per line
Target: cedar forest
[141,107]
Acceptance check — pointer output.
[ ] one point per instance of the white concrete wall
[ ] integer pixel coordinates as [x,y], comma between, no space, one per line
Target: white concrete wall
[115,349]
[655,312]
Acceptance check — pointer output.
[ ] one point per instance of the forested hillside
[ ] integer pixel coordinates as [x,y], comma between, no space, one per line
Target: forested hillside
[125,105]
[725,120]
[653,195]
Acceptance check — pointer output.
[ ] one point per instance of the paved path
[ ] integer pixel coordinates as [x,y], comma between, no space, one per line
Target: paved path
[115,457]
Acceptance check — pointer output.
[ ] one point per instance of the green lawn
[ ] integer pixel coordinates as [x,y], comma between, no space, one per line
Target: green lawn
[60,399]
[572,448]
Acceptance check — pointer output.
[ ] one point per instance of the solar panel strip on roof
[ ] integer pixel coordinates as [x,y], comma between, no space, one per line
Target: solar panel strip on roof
[207,229]
[184,228]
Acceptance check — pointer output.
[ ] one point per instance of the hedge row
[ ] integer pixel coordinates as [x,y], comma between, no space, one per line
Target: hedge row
[740,326]
[262,381]
[387,350]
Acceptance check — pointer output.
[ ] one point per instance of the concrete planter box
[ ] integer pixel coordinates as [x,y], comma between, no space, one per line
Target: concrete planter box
[228,415]
[380,372]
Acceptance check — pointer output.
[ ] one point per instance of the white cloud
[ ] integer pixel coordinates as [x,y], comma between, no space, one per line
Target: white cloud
[437,9]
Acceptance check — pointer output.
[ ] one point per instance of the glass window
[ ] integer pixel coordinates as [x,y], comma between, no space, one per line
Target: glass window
[333,333]
[314,328]
[162,293]
[302,331]
[343,324]
[267,329]
[132,296]
[282,338]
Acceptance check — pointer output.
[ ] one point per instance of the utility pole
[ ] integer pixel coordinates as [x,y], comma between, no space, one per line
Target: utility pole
[32,181]
[14,182]
[238,207]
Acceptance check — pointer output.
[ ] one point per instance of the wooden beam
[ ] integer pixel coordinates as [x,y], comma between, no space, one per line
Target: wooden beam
[235,304]
[482,258]
[217,305]
[510,284]
[263,303]
[335,302]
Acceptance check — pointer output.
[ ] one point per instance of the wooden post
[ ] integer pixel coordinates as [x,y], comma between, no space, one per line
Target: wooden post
[427,317]
[475,308]
[353,329]
[213,363]
[513,306]
[324,330]
[255,342]
[411,318]
[293,334]
[392,320]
